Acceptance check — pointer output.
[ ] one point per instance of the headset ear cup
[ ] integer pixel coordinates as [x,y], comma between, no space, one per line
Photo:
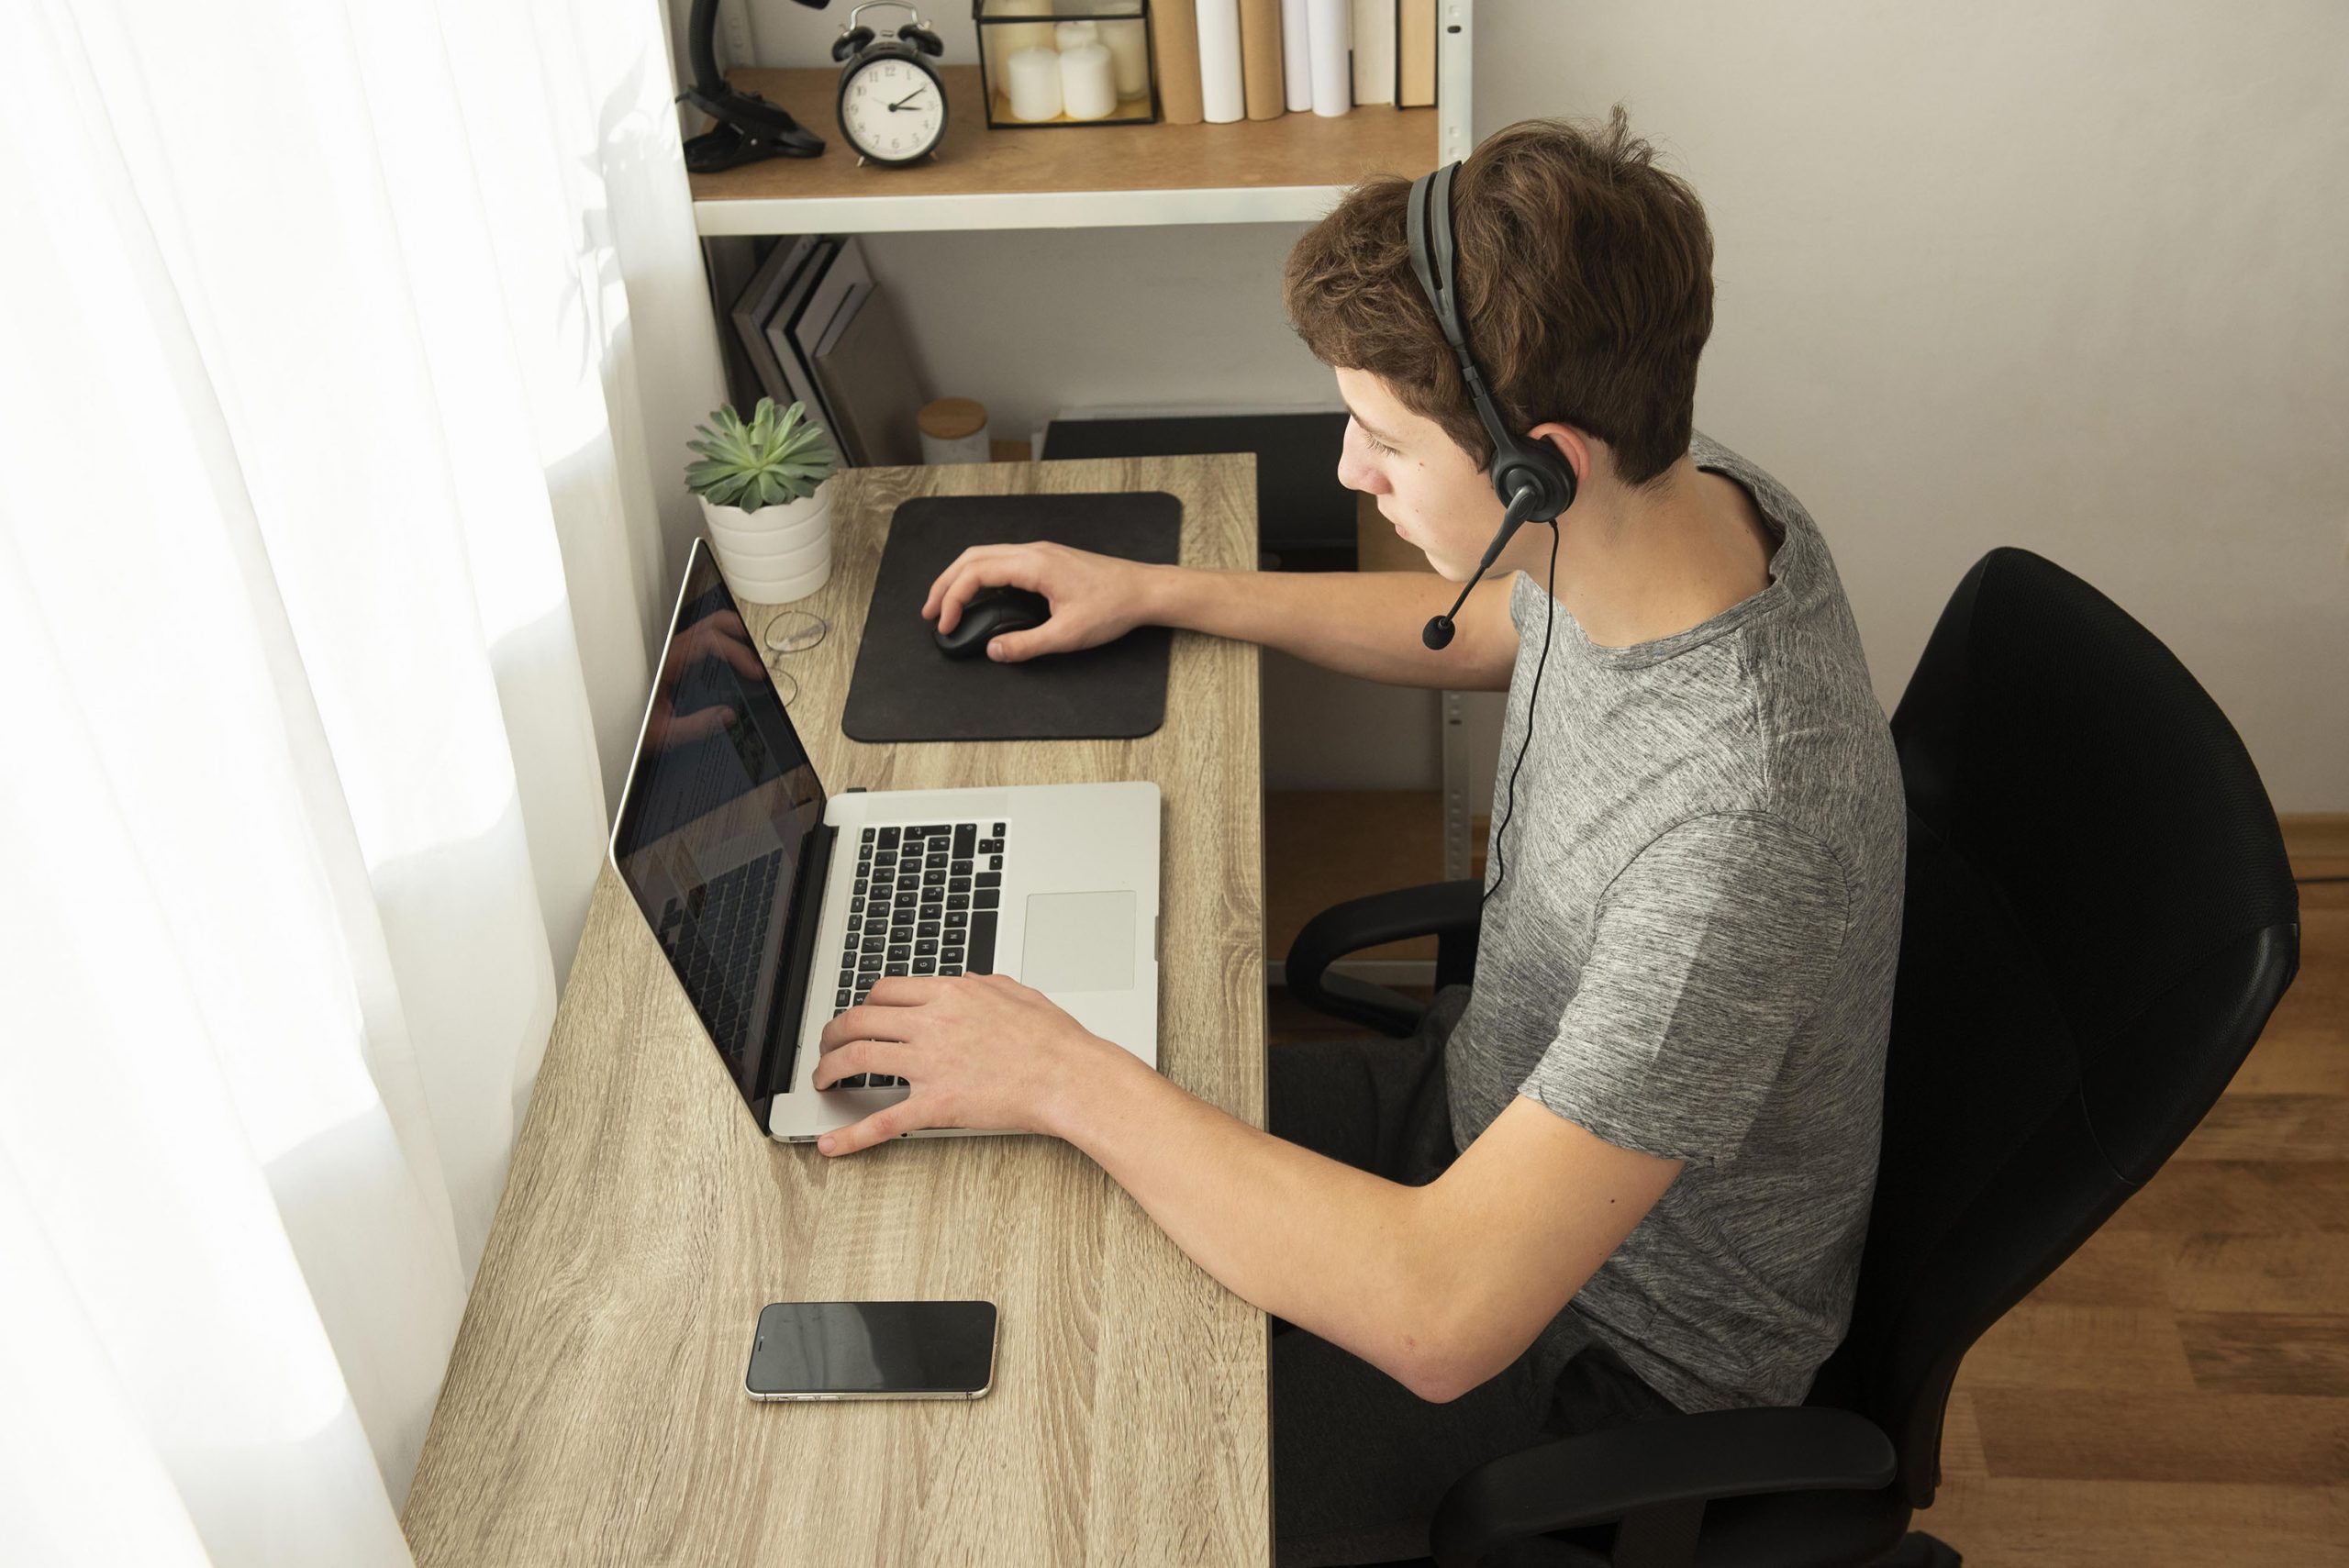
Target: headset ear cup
[1550,475]
[922,38]
[848,42]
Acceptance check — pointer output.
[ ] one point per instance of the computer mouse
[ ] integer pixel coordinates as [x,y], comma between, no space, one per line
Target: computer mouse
[990,614]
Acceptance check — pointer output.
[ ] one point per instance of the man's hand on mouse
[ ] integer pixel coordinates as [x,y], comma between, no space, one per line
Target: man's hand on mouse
[979,1051]
[1095,598]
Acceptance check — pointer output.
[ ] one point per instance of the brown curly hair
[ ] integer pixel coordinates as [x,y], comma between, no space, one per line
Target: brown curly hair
[1585,277]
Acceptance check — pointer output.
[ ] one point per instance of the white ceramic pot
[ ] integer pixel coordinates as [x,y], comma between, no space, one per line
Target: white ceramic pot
[775,554]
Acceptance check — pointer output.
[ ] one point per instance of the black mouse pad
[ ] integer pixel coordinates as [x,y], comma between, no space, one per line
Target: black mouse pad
[905,689]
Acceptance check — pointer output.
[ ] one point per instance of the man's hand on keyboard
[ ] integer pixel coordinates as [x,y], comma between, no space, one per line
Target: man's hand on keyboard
[1095,598]
[980,1050]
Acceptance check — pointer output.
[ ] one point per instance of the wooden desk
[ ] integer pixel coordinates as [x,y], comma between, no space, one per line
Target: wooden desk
[594,1410]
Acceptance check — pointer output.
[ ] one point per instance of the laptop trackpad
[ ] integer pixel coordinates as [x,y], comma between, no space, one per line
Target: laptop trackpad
[1079,941]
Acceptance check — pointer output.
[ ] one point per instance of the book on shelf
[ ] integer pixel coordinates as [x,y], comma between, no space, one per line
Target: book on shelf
[1223,95]
[1329,24]
[779,286]
[1260,58]
[1296,56]
[1415,53]
[1175,39]
[1374,60]
[873,383]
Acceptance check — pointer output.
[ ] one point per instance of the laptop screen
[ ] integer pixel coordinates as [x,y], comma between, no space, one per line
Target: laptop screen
[721,805]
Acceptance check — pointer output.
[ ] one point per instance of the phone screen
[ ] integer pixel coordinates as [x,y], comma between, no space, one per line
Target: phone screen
[848,1348]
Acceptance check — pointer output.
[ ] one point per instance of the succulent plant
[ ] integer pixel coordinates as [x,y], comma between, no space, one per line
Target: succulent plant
[779,456]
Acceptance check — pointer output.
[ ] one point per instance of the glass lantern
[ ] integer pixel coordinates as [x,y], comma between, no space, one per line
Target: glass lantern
[1067,62]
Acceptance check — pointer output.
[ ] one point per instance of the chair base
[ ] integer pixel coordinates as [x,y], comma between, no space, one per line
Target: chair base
[1918,1550]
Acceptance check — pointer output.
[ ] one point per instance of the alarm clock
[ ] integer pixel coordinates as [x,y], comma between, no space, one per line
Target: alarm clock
[892,102]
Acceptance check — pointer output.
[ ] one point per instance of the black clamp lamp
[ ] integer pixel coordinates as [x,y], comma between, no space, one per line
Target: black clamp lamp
[747,127]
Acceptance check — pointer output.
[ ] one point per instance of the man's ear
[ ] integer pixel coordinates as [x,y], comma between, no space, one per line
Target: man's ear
[1577,449]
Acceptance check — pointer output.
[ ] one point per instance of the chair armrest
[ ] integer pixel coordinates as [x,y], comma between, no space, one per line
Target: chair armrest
[1447,910]
[1604,1477]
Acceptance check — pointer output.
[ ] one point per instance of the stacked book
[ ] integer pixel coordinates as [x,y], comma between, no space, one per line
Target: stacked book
[1227,60]
[814,330]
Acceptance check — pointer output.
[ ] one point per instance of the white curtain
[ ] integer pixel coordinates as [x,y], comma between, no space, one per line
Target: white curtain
[347,352]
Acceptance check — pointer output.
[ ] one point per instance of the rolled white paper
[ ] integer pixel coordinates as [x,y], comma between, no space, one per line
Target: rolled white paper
[1332,24]
[1297,53]
[1130,53]
[1222,93]
[1088,86]
[1068,35]
[1035,85]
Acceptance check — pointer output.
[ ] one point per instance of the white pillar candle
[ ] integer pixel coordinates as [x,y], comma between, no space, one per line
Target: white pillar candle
[1066,36]
[1087,85]
[1035,85]
[1130,55]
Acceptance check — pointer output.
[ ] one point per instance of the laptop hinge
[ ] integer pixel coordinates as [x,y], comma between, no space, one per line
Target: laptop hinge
[799,948]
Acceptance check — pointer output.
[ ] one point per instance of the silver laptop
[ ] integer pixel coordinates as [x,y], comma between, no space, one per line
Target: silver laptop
[779,908]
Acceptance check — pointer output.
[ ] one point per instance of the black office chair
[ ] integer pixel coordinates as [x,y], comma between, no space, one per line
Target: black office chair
[2099,920]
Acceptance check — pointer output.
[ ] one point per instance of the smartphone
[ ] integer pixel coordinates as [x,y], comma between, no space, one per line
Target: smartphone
[872,1350]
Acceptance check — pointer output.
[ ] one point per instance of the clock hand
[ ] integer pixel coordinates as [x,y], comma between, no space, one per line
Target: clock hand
[909,97]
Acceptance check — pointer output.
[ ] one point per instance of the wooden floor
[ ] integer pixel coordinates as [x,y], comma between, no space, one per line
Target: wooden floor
[2178,1392]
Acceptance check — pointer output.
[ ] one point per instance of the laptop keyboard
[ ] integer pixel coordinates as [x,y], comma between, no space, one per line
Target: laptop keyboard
[713,940]
[925,902]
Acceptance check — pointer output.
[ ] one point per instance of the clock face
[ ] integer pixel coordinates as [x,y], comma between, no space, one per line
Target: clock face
[892,110]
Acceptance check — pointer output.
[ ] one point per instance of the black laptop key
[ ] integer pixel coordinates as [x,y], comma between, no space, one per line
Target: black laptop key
[995,862]
[945,968]
[892,970]
[934,878]
[889,837]
[926,949]
[874,943]
[966,834]
[990,879]
[899,952]
[957,902]
[990,846]
[926,928]
[999,831]
[986,898]
[927,828]
[960,868]
[982,947]
[958,921]
[842,999]
[925,966]
[930,910]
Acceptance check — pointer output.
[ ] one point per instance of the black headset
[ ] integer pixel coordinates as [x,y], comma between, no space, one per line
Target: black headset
[853,38]
[1532,479]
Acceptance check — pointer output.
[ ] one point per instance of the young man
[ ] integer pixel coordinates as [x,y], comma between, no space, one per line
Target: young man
[1628,1172]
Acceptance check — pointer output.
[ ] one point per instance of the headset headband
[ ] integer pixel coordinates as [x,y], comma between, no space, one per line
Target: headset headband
[1517,462]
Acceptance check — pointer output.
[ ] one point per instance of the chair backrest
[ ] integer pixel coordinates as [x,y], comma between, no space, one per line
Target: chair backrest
[2099,920]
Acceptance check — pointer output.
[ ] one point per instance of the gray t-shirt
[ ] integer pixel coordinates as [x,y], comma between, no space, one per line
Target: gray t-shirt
[1692,955]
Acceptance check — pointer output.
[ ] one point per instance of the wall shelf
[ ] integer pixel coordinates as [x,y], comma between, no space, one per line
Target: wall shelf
[1292,168]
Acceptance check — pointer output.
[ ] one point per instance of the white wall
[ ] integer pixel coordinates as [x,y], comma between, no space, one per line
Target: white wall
[2067,276]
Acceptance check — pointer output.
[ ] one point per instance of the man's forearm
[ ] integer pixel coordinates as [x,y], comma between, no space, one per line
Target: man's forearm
[1334,1250]
[1358,623]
